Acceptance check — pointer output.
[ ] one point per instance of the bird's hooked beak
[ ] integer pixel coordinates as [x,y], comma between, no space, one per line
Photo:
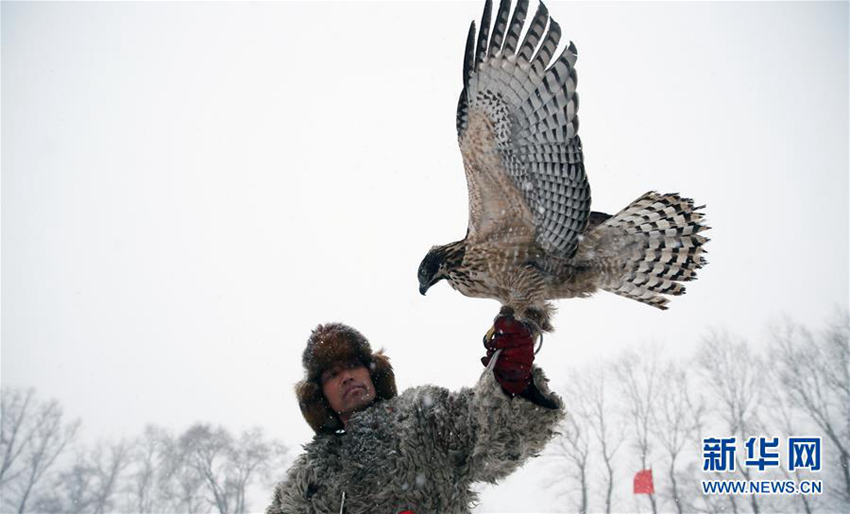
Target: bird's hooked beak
[423,288]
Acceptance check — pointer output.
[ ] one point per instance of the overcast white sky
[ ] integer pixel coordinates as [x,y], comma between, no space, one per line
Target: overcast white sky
[188,189]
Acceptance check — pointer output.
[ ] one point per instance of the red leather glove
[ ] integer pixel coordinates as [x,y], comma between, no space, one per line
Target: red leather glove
[513,367]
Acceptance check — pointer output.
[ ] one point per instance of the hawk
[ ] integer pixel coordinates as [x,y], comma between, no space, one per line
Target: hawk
[531,235]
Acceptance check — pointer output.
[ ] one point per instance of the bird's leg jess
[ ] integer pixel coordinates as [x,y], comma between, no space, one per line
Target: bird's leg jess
[538,318]
[537,321]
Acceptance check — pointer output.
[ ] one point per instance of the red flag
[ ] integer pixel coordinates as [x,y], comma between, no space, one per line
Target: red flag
[643,482]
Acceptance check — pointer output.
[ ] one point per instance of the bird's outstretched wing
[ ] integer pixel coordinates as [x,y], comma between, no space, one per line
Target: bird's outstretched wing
[517,124]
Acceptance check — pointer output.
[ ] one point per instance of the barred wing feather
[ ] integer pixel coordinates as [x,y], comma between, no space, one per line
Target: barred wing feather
[517,128]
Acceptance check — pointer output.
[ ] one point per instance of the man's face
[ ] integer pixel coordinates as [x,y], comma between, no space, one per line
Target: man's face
[348,387]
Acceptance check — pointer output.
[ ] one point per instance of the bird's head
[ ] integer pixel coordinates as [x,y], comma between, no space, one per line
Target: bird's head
[437,263]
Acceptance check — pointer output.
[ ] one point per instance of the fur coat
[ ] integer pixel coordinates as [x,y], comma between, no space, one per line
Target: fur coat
[420,451]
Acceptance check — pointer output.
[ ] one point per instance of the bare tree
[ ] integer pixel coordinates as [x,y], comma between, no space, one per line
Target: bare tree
[34,435]
[782,416]
[734,377]
[205,451]
[805,389]
[108,464]
[71,492]
[15,435]
[676,416]
[185,484]
[51,438]
[204,468]
[572,447]
[251,457]
[711,503]
[815,373]
[639,377]
[145,461]
[89,484]
[150,487]
[607,431]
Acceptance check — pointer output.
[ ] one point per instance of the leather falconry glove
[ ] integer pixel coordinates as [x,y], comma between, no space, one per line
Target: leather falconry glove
[513,366]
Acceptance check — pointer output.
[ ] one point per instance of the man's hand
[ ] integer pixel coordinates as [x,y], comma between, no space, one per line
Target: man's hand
[513,367]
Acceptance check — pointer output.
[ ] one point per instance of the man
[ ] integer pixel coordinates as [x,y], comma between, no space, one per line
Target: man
[375,451]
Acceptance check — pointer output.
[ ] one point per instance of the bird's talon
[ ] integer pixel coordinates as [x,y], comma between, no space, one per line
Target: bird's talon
[490,335]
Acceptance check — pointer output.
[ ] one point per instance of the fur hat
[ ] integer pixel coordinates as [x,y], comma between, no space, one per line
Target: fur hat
[328,345]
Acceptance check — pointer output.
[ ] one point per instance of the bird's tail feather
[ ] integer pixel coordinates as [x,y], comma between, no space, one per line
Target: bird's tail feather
[665,248]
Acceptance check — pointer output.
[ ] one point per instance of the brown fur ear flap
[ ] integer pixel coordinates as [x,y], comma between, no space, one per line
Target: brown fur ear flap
[315,408]
[382,375]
